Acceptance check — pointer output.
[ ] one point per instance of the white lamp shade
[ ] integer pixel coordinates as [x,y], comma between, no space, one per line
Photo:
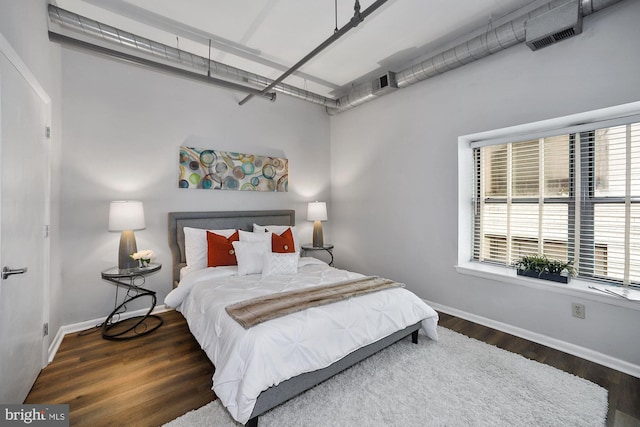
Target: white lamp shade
[317,211]
[126,215]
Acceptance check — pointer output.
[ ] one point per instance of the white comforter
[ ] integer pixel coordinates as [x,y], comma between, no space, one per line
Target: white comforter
[250,361]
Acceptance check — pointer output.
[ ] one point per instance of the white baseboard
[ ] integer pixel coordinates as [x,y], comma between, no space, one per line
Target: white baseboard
[82,326]
[584,353]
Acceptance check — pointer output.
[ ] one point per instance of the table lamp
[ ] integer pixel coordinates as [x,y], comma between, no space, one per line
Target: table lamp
[317,212]
[126,216]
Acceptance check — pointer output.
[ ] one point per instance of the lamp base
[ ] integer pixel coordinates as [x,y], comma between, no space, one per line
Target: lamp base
[318,239]
[127,247]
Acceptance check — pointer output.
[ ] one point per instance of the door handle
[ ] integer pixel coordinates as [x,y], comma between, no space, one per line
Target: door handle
[6,272]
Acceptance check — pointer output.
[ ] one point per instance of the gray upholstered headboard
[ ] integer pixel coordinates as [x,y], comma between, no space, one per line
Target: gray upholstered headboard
[241,220]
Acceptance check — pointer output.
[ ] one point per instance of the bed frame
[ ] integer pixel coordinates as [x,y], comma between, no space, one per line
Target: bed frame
[244,220]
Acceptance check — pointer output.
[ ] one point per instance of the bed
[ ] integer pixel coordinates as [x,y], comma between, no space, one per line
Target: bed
[260,367]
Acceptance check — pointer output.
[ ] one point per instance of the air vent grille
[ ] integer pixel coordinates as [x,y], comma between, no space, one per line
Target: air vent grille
[384,84]
[561,35]
[539,44]
[558,24]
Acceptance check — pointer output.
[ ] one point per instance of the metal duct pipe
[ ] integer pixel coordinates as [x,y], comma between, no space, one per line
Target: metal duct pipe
[161,67]
[492,41]
[112,41]
[354,22]
[591,6]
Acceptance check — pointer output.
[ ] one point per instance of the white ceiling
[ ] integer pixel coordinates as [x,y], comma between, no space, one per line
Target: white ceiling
[266,37]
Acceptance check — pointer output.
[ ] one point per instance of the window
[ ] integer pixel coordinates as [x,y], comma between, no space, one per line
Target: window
[572,195]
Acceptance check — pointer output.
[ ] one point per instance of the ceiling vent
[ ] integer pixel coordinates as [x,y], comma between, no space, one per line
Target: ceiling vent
[558,24]
[385,83]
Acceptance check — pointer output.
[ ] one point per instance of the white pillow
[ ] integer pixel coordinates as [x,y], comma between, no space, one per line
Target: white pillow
[247,236]
[278,229]
[250,256]
[196,247]
[276,264]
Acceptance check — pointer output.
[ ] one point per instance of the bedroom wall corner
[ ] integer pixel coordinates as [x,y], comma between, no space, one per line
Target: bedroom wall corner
[123,126]
[395,179]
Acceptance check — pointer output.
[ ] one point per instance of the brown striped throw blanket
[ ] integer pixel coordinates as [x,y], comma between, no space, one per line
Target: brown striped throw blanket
[257,310]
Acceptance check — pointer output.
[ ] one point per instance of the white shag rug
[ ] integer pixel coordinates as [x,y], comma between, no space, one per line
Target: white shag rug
[457,381]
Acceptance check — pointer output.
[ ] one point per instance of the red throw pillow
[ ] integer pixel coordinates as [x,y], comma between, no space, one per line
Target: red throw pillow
[220,249]
[283,243]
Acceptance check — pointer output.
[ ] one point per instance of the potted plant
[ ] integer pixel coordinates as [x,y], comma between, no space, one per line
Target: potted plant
[544,268]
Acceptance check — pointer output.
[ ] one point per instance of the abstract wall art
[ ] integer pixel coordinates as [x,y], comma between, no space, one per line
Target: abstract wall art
[226,170]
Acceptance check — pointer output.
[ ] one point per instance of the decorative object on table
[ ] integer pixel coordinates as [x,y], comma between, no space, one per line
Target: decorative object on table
[145,257]
[541,267]
[226,170]
[317,212]
[126,216]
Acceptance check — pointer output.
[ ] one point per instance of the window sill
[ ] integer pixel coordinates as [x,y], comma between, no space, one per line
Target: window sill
[575,287]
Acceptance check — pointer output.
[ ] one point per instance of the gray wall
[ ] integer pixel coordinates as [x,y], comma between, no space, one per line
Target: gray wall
[123,126]
[387,168]
[394,174]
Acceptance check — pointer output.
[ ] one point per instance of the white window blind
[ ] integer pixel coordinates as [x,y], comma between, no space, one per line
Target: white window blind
[574,196]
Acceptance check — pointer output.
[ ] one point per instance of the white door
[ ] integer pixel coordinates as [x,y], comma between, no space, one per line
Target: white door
[23,197]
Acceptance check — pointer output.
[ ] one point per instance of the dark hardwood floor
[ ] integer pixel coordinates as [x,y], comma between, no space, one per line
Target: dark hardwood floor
[153,379]
[147,381]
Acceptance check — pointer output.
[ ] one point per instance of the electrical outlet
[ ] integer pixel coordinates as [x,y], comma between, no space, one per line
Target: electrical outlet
[577,310]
